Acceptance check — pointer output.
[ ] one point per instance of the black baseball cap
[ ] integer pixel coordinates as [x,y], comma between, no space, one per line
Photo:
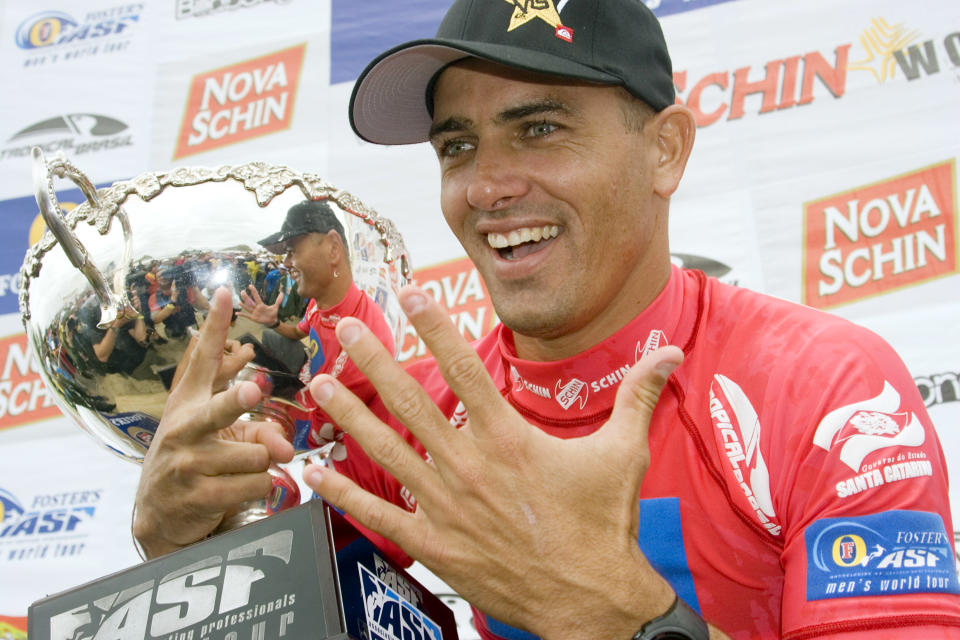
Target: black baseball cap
[308,216]
[611,42]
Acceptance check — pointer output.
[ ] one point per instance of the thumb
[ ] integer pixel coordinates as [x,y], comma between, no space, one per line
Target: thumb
[640,389]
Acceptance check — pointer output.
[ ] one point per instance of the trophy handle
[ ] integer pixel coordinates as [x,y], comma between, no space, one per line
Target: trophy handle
[113,305]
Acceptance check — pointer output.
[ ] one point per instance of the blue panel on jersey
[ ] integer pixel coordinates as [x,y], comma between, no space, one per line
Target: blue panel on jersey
[505,631]
[661,540]
[315,351]
[879,555]
[360,31]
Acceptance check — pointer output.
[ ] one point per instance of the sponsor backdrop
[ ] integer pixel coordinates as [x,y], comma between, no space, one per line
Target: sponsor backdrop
[824,172]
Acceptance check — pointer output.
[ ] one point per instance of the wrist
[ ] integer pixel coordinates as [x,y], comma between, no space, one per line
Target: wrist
[680,622]
[276,323]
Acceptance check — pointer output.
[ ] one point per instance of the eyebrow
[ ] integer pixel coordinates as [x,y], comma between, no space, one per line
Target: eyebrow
[538,107]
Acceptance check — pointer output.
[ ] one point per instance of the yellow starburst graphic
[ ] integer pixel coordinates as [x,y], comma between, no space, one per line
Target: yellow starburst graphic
[880,40]
[526,10]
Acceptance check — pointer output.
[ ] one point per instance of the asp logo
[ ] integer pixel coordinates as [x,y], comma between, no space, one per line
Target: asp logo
[28,524]
[212,594]
[879,554]
[391,617]
[10,509]
[52,28]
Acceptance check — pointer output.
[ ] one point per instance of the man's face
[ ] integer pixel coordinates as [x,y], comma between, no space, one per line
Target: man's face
[307,258]
[550,194]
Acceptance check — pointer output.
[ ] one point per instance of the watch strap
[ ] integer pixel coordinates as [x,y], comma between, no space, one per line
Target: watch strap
[680,622]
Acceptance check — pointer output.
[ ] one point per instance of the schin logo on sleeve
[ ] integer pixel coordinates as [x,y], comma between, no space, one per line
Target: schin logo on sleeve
[879,555]
[391,617]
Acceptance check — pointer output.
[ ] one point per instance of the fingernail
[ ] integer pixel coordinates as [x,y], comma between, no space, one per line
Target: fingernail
[322,391]
[665,368]
[313,474]
[413,302]
[349,334]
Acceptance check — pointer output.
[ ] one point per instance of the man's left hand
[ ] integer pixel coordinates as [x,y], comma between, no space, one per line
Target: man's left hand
[536,531]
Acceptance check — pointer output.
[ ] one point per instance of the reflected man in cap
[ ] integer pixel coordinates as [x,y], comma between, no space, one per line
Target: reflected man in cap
[315,247]
[637,450]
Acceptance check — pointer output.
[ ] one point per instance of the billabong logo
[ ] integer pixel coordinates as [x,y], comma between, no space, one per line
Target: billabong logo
[863,427]
[738,434]
[937,388]
[391,617]
[575,390]
[203,8]
[526,10]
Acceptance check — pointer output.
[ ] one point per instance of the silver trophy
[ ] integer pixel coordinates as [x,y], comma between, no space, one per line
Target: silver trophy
[182,232]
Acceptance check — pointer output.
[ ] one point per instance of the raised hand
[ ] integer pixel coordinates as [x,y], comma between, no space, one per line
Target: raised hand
[536,531]
[256,309]
[203,461]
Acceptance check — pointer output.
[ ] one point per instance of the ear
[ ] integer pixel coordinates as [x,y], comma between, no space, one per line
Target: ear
[675,129]
[336,247]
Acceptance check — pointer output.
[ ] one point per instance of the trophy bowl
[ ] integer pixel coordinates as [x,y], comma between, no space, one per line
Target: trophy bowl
[198,228]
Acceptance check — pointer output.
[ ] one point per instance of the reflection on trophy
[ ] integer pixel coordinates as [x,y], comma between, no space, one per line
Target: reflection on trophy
[110,315]
[114,291]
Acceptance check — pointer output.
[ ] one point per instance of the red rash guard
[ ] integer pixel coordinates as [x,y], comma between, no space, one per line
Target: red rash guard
[796,487]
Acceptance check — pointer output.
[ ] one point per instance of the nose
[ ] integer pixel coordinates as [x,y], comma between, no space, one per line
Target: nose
[497,180]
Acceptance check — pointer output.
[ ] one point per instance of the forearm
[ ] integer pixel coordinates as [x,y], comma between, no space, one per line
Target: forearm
[289,331]
[105,347]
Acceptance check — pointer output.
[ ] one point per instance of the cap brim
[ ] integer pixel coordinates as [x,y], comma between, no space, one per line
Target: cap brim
[389,100]
[273,242]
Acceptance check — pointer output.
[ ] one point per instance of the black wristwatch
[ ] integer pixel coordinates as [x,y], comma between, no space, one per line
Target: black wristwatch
[680,622]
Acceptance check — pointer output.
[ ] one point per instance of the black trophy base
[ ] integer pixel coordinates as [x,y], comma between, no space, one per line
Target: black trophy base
[304,573]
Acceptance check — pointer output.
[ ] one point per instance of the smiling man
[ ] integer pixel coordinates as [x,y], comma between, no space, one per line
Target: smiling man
[637,450]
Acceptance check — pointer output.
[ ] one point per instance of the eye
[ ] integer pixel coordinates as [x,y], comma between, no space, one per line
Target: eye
[453,147]
[541,129]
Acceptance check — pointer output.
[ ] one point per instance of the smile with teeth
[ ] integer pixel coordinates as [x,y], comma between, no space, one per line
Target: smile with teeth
[521,242]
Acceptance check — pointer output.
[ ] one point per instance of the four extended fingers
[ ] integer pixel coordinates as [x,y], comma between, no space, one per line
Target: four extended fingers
[382,443]
[459,363]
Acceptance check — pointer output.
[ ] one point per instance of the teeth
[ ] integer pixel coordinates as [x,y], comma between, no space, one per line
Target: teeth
[519,236]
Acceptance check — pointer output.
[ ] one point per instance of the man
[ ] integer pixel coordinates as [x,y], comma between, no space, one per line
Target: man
[315,245]
[560,145]
[175,301]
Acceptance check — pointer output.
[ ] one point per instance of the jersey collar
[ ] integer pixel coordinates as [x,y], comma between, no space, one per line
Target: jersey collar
[584,385]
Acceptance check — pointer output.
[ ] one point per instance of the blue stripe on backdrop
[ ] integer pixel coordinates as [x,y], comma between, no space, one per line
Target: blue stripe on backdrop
[363,30]
[16,217]
[360,31]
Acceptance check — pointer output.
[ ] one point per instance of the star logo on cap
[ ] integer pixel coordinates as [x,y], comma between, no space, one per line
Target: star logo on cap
[526,10]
